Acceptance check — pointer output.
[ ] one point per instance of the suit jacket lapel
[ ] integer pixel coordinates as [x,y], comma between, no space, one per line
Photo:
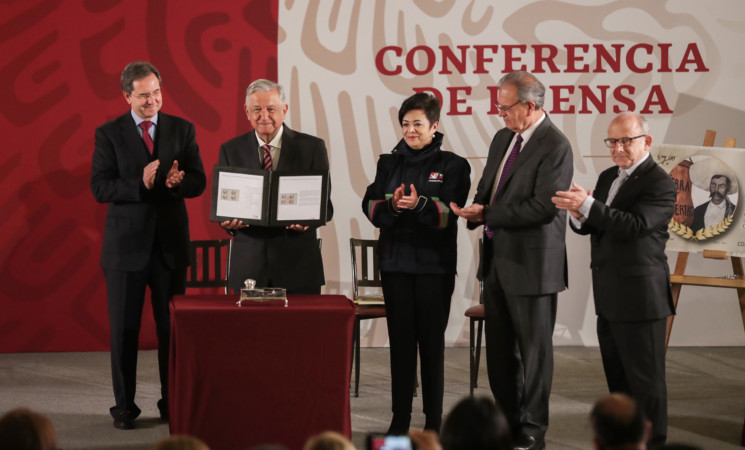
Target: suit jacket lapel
[288,148]
[529,151]
[133,140]
[633,180]
[163,133]
[247,153]
[493,163]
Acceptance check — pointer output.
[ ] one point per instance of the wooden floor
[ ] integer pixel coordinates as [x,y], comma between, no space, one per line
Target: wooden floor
[706,395]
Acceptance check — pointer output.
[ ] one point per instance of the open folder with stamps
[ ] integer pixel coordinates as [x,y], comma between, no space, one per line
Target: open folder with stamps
[269,198]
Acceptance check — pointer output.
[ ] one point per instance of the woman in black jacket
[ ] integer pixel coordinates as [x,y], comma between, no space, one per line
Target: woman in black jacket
[409,201]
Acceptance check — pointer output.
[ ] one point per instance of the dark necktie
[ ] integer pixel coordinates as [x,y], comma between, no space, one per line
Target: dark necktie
[503,177]
[267,156]
[145,125]
[508,164]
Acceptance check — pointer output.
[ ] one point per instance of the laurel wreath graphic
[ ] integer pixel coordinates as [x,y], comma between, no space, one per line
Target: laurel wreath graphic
[704,233]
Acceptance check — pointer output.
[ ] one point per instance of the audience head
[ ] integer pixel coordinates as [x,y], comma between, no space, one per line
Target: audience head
[23,429]
[475,423]
[618,423]
[329,440]
[181,442]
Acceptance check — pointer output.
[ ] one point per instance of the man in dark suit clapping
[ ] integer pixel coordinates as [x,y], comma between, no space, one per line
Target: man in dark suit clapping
[524,262]
[145,164]
[627,218]
[287,257]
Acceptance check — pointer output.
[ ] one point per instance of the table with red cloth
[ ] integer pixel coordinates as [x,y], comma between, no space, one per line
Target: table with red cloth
[241,376]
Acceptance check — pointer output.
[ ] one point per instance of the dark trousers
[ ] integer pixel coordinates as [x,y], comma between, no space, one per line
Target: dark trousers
[519,355]
[634,362]
[126,298]
[417,310]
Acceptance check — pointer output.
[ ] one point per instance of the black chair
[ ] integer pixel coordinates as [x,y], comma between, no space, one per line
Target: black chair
[366,274]
[476,315]
[206,262]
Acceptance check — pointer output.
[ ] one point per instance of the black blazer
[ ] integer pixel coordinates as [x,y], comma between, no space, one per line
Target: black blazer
[135,215]
[422,240]
[528,246]
[630,274]
[290,259]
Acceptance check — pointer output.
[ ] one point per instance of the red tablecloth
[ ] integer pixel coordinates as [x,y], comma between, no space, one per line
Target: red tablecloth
[243,376]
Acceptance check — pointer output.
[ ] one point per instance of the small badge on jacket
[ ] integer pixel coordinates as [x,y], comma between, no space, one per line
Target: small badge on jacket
[435,177]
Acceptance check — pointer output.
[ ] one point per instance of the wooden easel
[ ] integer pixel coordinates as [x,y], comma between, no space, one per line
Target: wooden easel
[678,278]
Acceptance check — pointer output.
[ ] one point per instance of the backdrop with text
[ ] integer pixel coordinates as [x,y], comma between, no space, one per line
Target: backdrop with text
[347,65]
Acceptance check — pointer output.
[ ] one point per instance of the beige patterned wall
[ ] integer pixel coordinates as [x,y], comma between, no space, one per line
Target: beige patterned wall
[679,61]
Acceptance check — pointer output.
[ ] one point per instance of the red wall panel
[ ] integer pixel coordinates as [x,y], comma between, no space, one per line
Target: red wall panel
[59,80]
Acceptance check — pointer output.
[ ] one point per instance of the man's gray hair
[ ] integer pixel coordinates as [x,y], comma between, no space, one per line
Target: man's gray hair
[262,85]
[529,89]
[640,120]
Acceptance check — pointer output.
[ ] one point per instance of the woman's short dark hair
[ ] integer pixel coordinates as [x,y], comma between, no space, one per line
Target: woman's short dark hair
[136,71]
[475,423]
[423,101]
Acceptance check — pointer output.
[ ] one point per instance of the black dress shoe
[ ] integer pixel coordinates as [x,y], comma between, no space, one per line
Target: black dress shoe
[525,442]
[433,423]
[124,421]
[399,424]
[163,408]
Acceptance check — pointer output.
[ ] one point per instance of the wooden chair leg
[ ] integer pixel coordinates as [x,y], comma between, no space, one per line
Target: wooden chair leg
[471,357]
[356,350]
[477,361]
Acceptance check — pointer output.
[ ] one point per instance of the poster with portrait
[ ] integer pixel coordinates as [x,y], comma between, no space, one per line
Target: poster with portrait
[708,214]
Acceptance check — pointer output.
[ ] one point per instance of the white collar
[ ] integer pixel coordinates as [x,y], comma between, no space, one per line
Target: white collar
[276,142]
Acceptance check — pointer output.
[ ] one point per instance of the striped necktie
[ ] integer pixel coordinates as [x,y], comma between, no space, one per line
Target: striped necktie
[267,156]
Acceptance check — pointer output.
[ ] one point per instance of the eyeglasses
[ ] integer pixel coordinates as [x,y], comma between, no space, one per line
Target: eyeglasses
[256,110]
[624,141]
[146,96]
[504,109]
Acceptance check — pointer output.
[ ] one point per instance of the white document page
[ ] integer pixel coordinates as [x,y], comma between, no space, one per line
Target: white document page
[240,195]
[299,197]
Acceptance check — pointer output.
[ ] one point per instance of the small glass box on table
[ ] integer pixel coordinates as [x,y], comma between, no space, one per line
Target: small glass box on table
[251,295]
